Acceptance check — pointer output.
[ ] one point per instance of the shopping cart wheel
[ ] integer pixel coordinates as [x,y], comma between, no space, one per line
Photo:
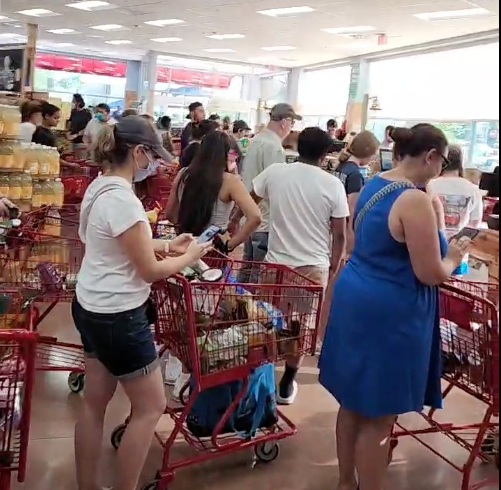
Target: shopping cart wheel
[393,445]
[151,486]
[76,382]
[117,436]
[267,452]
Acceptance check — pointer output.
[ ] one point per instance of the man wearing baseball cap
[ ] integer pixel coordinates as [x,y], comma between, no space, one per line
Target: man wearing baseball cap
[265,150]
[196,115]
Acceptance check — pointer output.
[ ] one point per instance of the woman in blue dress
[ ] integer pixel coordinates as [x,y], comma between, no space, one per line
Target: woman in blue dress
[381,355]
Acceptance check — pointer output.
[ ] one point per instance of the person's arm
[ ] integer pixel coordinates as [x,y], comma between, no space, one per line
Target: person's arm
[338,232]
[172,208]
[477,213]
[438,207]
[414,210]
[250,210]
[354,185]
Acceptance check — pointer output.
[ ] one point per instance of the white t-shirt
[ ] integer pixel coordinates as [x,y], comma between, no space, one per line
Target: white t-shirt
[94,127]
[108,281]
[303,199]
[26,132]
[462,201]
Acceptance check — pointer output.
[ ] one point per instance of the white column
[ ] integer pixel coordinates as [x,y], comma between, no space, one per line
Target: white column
[149,80]
[293,86]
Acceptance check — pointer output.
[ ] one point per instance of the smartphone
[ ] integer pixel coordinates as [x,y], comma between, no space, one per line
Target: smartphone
[470,233]
[209,234]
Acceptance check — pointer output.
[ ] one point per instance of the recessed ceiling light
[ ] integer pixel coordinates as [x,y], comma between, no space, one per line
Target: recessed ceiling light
[167,40]
[219,50]
[286,11]
[163,23]
[3,18]
[62,31]
[454,14]
[222,37]
[349,30]
[91,5]
[108,27]
[38,13]
[55,45]
[119,42]
[278,48]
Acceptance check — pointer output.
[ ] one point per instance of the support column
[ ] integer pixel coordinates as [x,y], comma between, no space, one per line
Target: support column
[148,81]
[356,111]
[293,87]
[133,85]
[28,81]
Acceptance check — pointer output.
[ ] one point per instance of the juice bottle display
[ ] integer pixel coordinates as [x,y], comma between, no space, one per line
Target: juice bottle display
[43,161]
[58,187]
[36,198]
[47,193]
[19,157]
[26,186]
[11,121]
[15,190]
[54,162]
[53,228]
[6,156]
[31,160]
[4,186]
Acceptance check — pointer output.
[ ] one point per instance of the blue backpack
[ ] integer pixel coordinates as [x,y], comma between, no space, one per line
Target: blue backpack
[257,410]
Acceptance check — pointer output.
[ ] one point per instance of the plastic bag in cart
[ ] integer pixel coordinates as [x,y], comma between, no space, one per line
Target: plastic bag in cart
[257,410]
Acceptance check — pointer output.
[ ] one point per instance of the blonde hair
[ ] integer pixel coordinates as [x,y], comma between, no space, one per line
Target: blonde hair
[364,145]
[109,149]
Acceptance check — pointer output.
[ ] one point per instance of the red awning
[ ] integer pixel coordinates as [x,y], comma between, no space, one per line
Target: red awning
[73,64]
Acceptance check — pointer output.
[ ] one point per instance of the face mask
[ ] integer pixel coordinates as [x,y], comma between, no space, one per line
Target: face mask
[100,117]
[143,173]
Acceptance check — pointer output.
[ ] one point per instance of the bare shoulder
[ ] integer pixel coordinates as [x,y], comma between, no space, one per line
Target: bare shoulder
[413,197]
[231,179]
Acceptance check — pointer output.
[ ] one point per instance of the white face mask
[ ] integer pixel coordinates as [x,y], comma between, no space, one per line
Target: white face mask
[143,173]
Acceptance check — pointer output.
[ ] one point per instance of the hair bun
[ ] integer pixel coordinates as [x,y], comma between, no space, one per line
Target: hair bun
[402,135]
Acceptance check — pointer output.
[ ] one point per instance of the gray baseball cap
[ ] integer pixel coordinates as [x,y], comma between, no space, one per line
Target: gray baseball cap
[136,130]
[284,111]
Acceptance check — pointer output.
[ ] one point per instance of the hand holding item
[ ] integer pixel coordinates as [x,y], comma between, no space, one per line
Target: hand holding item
[196,250]
[5,207]
[459,249]
[181,243]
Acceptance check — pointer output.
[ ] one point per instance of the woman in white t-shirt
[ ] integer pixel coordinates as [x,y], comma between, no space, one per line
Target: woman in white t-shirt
[462,200]
[31,117]
[110,309]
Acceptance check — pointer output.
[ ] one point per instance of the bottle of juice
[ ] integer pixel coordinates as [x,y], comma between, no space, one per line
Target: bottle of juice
[54,162]
[19,156]
[7,156]
[36,198]
[26,186]
[43,161]
[4,186]
[47,193]
[58,187]
[31,161]
[15,190]
[53,228]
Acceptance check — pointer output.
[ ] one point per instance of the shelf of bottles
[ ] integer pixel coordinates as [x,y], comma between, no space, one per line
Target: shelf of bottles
[29,173]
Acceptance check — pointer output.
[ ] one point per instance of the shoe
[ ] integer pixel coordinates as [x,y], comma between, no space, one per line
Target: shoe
[291,398]
[179,385]
[173,370]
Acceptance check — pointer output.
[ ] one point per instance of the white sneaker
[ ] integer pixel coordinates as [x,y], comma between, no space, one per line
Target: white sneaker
[173,370]
[291,399]
[181,382]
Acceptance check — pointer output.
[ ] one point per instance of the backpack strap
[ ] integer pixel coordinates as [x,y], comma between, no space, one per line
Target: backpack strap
[385,191]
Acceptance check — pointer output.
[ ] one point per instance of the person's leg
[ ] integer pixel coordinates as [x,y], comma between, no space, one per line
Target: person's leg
[347,431]
[147,398]
[259,251]
[100,388]
[372,452]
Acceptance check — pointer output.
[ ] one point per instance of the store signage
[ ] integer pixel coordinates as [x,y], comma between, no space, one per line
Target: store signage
[11,68]
[118,69]
[354,81]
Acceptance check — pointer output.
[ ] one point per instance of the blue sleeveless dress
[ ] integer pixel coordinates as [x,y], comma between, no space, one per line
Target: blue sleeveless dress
[382,350]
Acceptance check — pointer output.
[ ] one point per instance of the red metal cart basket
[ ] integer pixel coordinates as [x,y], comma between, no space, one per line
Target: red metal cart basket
[470,336]
[42,263]
[262,323]
[17,373]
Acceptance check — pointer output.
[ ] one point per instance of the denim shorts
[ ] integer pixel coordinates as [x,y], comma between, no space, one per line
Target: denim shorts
[122,342]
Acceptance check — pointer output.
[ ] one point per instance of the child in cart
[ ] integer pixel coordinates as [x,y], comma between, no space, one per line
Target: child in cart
[111,311]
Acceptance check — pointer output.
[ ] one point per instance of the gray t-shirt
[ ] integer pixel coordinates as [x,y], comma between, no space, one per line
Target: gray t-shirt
[264,150]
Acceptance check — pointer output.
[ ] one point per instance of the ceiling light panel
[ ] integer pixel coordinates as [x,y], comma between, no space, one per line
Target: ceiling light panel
[343,31]
[282,12]
[165,23]
[38,13]
[109,27]
[220,50]
[91,5]
[224,37]
[278,48]
[119,42]
[166,40]
[62,31]
[454,14]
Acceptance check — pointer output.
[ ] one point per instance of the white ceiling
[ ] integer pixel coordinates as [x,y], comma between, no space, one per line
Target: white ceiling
[395,18]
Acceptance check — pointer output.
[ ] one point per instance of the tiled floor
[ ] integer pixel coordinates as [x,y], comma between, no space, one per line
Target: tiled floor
[307,462]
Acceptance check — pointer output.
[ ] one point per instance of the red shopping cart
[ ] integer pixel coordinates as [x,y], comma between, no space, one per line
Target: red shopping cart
[76,176]
[17,373]
[43,266]
[470,336]
[222,331]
